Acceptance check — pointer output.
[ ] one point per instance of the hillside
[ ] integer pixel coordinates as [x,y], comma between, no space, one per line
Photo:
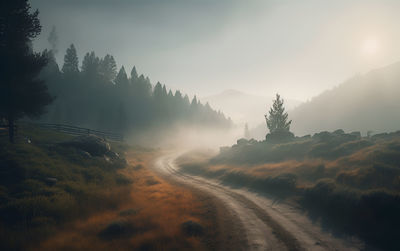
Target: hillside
[60,192]
[365,103]
[344,181]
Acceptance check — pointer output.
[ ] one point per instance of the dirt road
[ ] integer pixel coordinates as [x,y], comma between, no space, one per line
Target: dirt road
[265,225]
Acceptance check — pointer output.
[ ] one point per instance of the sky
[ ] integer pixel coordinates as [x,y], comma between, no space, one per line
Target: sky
[298,48]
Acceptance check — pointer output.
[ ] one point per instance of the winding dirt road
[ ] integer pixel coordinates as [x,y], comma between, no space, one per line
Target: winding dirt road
[265,225]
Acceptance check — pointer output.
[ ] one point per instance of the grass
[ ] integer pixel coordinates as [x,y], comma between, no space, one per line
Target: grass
[349,184]
[44,186]
[152,218]
[54,197]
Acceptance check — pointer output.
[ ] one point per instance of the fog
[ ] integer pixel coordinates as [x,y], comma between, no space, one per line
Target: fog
[236,55]
[186,138]
[296,48]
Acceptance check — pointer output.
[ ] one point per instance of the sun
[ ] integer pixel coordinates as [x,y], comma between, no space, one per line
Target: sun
[370,46]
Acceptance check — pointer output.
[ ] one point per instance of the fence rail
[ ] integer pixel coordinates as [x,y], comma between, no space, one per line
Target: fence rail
[4,129]
[74,130]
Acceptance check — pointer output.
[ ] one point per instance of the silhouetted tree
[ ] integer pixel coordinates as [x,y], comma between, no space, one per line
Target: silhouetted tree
[71,62]
[21,92]
[108,68]
[134,75]
[90,65]
[122,79]
[277,121]
[129,104]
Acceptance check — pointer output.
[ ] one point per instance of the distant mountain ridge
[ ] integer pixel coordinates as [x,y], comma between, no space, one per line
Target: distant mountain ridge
[369,102]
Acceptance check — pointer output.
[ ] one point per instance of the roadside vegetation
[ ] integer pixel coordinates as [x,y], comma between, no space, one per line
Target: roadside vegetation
[154,215]
[56,196]
[348,183]
[45,184]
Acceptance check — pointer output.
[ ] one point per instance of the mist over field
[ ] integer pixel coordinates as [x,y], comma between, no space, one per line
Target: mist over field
[199,125]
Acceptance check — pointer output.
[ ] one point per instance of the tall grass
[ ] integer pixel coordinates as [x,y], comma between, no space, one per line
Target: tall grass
[350,184]
[44,185]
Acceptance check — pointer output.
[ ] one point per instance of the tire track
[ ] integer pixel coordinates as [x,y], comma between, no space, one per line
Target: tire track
[267,226]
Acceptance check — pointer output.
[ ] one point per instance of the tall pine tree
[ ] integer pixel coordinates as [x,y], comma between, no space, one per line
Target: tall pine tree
[71,62]
[21,92]
[108,68]
[277,121]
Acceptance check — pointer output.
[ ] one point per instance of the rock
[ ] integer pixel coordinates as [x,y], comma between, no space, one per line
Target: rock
[85,154]
[94,145]
[356,134]
[51,181]
[339,132]
[192,228]
[242,141]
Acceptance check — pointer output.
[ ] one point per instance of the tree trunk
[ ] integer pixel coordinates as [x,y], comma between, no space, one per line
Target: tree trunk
[11,129]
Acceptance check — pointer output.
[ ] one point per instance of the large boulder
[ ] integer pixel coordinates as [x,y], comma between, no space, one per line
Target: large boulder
[94,145]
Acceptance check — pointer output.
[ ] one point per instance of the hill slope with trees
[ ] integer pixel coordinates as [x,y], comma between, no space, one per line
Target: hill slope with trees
[98,96]
[364,103]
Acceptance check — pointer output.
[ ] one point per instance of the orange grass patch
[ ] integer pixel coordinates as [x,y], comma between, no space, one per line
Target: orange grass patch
[155,209]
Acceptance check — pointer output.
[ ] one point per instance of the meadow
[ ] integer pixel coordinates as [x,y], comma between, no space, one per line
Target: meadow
[348,183]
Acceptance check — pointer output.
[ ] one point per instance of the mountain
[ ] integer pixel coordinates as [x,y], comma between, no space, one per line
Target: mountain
[369,102]
[243,107]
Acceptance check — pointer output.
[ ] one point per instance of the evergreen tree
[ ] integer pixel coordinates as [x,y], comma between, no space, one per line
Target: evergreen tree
[122,79]
[134,75]
[90,64]
[71,62]
[158,91]
[178,95]
[108,68]
[194,101]
[277,120]
[186,100]
[21,93]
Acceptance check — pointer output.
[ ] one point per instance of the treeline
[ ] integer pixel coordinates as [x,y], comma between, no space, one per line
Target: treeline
[98,96]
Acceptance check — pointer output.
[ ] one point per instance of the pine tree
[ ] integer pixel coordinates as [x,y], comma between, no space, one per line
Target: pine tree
[122,79]
[158,91]
[277,120]
[21,92]
[108,68]
[134,75]
[90,64]
[71,62]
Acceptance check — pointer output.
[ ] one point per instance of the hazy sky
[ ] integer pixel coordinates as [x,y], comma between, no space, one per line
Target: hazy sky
[298,48]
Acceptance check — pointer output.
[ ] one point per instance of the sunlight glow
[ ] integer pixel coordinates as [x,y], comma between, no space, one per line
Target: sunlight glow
[370,46]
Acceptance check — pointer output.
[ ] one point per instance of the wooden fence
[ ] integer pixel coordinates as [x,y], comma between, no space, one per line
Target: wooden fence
[4,129]
[74,130]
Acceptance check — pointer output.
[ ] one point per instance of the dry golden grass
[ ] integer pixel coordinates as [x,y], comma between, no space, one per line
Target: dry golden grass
[157,210]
